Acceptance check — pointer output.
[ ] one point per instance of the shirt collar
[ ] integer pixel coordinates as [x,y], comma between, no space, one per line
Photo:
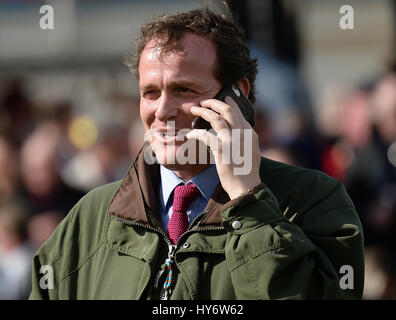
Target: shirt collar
[206,181]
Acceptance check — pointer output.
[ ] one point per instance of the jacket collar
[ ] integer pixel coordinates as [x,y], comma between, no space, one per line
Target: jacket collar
[137,194]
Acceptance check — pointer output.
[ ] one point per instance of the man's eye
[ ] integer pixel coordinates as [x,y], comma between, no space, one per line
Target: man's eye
[185,90]
[149,93]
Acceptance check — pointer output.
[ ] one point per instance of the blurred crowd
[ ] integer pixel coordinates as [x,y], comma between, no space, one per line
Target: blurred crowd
[352,137]
[51,155]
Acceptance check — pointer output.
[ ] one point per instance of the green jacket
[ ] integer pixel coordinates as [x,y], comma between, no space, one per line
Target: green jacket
[294,233]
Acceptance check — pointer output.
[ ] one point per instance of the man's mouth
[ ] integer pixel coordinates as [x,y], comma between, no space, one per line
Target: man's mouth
[172,134]
[168,134]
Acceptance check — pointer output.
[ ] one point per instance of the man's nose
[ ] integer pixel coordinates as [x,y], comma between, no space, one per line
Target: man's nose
[167,108]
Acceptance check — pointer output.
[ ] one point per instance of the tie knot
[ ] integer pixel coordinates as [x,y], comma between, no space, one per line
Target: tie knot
[183,196]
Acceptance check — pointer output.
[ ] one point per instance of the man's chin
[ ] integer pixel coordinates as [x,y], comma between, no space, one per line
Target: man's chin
[170,162]
[175,157]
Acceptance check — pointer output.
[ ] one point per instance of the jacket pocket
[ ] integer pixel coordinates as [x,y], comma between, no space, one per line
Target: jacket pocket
[270,262]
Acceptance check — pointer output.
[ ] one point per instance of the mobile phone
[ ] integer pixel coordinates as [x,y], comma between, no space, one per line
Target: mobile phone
[237,95]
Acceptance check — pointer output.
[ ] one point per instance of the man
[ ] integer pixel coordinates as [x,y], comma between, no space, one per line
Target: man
[200,231]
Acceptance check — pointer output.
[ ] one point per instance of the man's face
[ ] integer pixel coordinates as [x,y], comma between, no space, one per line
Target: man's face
[170,84]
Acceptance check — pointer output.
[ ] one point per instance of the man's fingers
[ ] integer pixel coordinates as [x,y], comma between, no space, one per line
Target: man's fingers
[215,119]
[206,137]
[224,110]
[244,123]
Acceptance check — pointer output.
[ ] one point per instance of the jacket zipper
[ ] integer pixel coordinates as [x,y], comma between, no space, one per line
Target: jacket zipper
[134,223]
[164,293]
[166,289]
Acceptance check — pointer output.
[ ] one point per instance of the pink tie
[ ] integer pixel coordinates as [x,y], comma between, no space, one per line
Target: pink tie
[178,223]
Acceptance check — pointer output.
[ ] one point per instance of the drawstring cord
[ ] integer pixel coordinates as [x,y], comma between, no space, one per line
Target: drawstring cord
[169,277]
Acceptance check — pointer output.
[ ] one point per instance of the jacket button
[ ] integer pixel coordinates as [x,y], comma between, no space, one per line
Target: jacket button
[186,245]
[236,224]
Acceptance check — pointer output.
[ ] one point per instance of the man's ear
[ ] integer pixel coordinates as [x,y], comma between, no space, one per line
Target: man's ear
[244,85]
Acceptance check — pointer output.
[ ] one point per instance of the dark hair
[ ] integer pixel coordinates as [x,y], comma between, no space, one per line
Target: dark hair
[232,53]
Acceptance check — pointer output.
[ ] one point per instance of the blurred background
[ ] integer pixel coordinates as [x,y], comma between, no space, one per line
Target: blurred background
[69,118]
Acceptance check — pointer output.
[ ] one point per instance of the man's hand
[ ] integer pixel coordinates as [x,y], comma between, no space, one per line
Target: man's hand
[227,141]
